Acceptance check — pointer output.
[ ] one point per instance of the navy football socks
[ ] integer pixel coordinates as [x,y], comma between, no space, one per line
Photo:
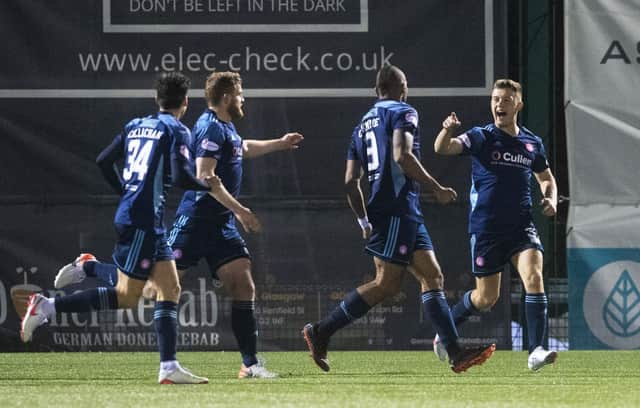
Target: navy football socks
[165,317]
[437,310]
[243,324]
[535,309]
[87,300]
[351,308]
[463,309]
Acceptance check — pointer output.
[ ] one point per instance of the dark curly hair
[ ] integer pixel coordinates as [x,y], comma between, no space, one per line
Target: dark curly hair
[171,89]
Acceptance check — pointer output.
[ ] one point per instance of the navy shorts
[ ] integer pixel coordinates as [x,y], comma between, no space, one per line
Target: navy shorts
[395,239]
[137,250]
[217,242]
[490,252]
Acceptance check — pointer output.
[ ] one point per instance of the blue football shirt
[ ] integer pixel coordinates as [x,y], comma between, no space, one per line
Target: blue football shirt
[217,139]
[392,193]
[501,168]
[147,144]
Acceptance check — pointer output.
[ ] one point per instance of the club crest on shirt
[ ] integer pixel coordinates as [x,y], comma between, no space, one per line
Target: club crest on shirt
[529,147]
[412,118]
[209,145]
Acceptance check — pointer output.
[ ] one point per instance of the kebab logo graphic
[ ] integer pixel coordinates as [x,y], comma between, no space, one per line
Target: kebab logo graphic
[20,293]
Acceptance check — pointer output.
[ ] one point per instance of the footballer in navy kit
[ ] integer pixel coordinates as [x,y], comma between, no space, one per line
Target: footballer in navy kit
[200,213]
[504,156]
[205,224]
[154,150]
[146,175]
[385,148]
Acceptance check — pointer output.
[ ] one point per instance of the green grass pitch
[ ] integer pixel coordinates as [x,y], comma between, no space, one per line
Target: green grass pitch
[357,379]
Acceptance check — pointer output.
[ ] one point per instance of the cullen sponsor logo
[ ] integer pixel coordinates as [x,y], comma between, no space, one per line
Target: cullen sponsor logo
[516,158]
[508,157]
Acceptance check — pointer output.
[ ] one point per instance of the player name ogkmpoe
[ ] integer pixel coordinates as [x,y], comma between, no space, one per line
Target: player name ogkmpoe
[147,133]
[370,124]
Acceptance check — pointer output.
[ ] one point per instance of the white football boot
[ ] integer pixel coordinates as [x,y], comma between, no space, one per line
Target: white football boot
[180,375]
[257,370]
[34,317]
[73,272]
[439,349]
[540,358]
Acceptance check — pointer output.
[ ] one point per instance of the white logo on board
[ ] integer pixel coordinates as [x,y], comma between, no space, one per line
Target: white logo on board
[611,304]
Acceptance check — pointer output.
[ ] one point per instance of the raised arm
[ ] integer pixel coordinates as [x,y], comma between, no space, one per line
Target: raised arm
[549,191]
[206,167]
[445,142]
[409,163]
[255,148]
[353,175]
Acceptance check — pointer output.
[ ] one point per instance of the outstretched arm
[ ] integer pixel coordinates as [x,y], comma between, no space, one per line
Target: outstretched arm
[255,148]
[445,142]
[409,163]
[353,175]
[549,191]
[206,167]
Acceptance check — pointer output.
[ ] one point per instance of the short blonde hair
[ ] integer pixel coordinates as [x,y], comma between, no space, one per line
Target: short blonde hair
[220,83]
[509,84]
